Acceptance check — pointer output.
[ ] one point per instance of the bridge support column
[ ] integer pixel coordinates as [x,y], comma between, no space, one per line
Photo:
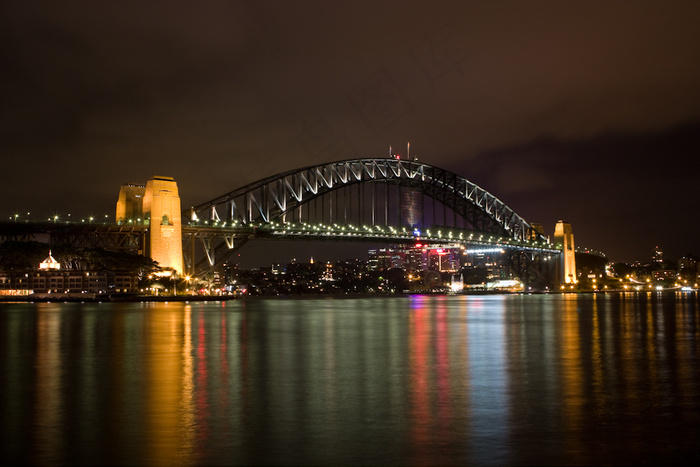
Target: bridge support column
[161,208]
[564,235]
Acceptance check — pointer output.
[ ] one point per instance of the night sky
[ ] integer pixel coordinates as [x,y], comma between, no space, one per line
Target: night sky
[584,111]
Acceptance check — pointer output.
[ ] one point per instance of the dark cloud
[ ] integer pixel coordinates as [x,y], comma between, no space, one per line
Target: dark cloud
[219,94]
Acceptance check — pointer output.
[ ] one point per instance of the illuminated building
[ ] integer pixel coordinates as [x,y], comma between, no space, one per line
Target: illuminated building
[657,255]
[687,269]
[372,259]
[50,279]
[564,235]
[384,258]
[415,260]
[443,259]
[483,266]
[665,276]
[328,272]
[408,257]
[67,282]
[50,263]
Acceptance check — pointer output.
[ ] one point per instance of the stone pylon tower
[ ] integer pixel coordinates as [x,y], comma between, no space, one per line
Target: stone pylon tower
[565,236]
[130,202]
[161,211]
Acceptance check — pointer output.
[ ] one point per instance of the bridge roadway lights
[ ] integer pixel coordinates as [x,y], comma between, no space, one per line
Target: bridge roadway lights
[207,231]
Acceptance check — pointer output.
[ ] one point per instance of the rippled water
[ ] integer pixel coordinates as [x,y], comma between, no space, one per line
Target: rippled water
[412,380]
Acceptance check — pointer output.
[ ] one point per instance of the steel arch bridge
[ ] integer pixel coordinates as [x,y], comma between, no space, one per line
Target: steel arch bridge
[276,197]
[373,199]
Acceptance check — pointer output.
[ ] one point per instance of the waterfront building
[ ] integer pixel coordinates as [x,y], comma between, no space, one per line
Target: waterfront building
[67,281]
[666,277]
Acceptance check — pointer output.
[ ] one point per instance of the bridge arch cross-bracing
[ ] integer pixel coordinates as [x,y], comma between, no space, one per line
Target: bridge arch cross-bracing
[376,191]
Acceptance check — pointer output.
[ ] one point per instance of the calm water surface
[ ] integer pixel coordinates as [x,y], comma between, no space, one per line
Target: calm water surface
[413,380]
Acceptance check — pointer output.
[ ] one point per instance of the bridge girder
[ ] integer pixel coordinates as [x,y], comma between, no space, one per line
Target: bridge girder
[78,235]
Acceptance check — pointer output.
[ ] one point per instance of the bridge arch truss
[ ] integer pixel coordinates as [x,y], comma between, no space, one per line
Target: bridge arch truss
[351,191]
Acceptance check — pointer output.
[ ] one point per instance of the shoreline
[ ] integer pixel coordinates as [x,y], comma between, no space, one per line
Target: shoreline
[117,298]
[97,298]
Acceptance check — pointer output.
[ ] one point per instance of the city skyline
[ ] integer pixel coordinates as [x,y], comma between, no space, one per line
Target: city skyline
[587,112]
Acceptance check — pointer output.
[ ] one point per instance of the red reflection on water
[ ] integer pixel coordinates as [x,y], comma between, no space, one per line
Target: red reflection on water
[244,377]
[202,382]
[223,350]
[48,394]
[420,336]
[430,375]
[443,366]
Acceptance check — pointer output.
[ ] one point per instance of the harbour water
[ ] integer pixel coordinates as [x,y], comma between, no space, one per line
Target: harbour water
[409,380]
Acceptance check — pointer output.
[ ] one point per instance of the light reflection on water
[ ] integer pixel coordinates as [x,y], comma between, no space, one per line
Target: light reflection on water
[414,380]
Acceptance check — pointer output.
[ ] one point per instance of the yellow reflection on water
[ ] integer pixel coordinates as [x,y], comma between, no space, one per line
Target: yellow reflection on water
[572,373]
[687,343]
[187,387]
[48,373]
[599,391]
[169,387]
[650,346]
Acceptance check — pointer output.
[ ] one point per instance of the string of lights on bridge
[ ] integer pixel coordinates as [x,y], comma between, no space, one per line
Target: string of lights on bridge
[56,218]
[433,236]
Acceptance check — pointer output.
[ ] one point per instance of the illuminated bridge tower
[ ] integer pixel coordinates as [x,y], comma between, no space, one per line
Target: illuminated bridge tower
[130,203]
[565,236]
[161,211]
[156,205]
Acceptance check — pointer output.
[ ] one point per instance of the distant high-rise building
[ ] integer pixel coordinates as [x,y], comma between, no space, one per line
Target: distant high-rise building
[443,259]
[415,260]
[410,258]
[384,258]
[372,261]
[564,236]
[657,255]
